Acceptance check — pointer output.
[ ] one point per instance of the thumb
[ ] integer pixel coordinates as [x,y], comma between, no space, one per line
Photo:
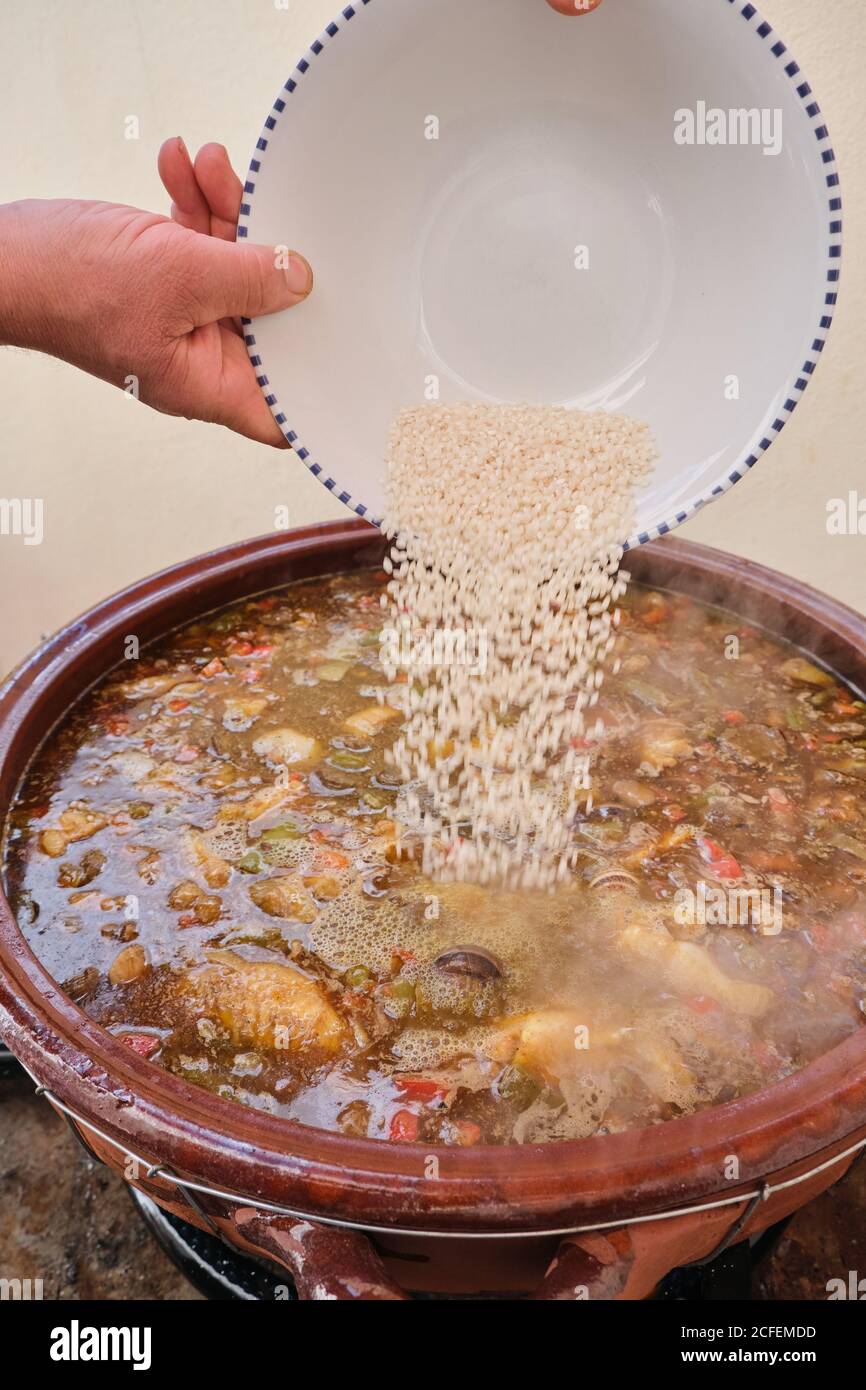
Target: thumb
[242,279]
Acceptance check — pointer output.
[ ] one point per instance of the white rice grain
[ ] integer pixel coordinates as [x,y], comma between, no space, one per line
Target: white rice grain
[506,523]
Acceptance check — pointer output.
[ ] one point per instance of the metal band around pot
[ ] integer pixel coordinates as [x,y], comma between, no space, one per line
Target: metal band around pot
[187,1187]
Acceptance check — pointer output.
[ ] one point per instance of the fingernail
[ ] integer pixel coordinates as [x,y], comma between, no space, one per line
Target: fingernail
[181,146]
[299,274]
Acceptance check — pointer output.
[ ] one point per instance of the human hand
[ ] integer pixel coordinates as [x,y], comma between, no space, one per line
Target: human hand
[574,6]
[147,302]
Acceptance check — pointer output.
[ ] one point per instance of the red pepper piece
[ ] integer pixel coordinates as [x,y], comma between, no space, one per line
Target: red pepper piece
[420,1088]
[145,1044]
[404,1127]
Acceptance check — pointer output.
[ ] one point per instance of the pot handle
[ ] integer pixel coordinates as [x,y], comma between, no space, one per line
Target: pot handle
[325,1262]
[329,1263]
[595,1266]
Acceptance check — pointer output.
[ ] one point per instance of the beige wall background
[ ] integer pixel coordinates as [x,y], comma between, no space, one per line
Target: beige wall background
[127,491]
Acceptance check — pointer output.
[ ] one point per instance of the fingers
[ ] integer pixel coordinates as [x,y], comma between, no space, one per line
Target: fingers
[234,279]
[221,189]
[189,207]
[574,6]
[206,196]
[231,396]
[240,405]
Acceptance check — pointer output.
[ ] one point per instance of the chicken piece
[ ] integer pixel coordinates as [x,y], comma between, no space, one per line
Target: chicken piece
[265,1005]
[184,895]
[548,1043]
[283,747]
[553,1043]
[659,1066]
[692,969]
[634,792]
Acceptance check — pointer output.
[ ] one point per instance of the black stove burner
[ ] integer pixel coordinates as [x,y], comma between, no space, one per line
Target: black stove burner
[727,1278]
[8,1065]
[220,1272]
[214,1268]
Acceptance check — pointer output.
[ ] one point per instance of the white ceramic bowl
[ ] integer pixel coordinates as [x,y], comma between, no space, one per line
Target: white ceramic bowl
[451,263]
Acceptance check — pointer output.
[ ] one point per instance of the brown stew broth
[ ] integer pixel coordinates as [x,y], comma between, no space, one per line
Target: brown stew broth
[206,855]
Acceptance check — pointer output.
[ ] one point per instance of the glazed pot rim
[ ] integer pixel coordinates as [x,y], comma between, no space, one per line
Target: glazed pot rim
[377,1182]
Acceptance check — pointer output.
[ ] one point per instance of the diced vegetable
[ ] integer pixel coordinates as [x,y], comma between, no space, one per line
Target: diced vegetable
[404,1127]
[722,864]
[802,672]
[663,741]
[184,895]
[285,896]
[424,1089]
[754,744]
[145,1044]
[518,1086]
[371,720]
[287,830]
[77,875]
[130,965]
[285,747]
[322,886]
[333,670]
[241,711]
[634,793]
[147,687]
[215,871]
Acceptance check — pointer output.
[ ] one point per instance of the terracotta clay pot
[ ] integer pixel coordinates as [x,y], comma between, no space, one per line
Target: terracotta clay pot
[366,1219]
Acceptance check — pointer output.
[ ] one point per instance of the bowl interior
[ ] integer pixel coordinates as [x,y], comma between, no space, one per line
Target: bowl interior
[498,207]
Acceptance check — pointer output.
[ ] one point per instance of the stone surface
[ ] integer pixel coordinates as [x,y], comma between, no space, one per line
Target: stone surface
[65,1219]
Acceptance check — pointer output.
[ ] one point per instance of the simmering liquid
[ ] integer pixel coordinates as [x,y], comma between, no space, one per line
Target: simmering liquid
[207,855]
